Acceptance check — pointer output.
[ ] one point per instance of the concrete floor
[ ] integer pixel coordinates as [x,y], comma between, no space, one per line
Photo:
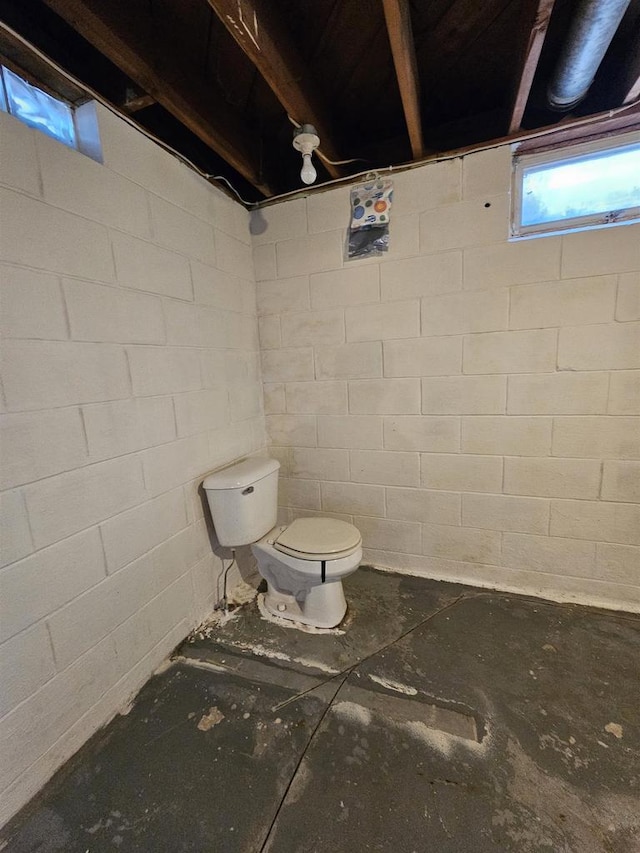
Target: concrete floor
[444,719]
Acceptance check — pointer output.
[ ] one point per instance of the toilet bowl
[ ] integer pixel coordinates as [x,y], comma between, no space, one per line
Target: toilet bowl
[303,562]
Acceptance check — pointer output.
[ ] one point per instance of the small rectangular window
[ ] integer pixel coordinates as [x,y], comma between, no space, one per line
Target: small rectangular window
[3,94]
[37,109]
[587,186]
[75,125]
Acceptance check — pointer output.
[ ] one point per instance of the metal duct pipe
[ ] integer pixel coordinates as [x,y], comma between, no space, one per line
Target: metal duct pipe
[590,34]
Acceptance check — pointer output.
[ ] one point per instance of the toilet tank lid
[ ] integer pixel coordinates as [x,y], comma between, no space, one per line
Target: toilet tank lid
[241,475]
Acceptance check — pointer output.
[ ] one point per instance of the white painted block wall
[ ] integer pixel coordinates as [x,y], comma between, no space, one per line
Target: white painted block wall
[130,370]
[470,404]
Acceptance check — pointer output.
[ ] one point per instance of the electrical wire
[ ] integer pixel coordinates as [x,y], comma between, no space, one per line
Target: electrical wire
[454,155]
[340,162]
[122,115]
[324,156]
[250,205]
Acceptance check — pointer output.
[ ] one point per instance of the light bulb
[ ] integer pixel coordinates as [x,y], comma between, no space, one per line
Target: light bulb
[308,173]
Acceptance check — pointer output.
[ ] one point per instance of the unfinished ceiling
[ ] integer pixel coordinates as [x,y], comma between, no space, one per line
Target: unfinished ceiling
[385,82]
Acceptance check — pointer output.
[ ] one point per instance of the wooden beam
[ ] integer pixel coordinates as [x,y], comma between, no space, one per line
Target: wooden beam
[257,30]
[135,101]
[597,126]
[536,17]
[147,56]
[36,71]
[398,19]
[632,79]
[575,130]
[476,128]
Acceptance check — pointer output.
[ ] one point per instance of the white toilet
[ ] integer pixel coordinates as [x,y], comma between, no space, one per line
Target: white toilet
[303,562]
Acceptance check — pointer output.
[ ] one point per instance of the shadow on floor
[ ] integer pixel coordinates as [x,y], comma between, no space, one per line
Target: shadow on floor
[444,719]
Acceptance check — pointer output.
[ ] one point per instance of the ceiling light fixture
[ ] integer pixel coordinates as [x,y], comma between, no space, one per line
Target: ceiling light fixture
[306,140]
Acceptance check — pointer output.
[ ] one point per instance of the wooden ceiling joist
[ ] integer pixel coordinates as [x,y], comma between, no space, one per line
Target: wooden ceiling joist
[36,70]
[398,19]
[632,80]
[575,130]
[257,30]
[148,57]
[535,23]
[137,101]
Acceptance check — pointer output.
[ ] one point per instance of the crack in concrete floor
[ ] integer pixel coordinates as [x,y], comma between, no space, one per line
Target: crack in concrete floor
[305,763]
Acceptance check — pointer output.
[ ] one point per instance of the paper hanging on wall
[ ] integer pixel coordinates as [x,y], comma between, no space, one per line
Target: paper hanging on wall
[370,213]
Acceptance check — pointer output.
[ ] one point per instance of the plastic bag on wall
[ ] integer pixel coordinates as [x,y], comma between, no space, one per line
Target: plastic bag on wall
[370,212]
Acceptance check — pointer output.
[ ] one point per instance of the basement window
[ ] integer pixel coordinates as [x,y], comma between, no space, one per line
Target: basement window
[75,126]
[593,185]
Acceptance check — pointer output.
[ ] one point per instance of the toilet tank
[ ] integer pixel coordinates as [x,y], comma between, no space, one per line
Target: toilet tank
[243,500]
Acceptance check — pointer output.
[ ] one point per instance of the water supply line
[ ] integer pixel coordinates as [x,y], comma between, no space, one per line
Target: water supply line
[592,29]
[223,604]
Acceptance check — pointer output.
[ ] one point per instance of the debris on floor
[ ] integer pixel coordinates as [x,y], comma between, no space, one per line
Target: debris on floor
[211,719]
[421,727]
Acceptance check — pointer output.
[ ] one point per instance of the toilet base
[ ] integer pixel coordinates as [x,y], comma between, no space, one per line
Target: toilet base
[323,606]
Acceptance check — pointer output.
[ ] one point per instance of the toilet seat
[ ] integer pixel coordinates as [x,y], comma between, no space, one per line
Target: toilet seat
[318,539]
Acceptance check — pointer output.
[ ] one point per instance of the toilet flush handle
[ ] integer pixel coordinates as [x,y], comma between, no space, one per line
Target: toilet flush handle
[248,490]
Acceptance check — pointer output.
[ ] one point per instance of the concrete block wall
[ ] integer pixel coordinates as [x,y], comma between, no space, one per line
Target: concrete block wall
[130,370]
[470,404]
